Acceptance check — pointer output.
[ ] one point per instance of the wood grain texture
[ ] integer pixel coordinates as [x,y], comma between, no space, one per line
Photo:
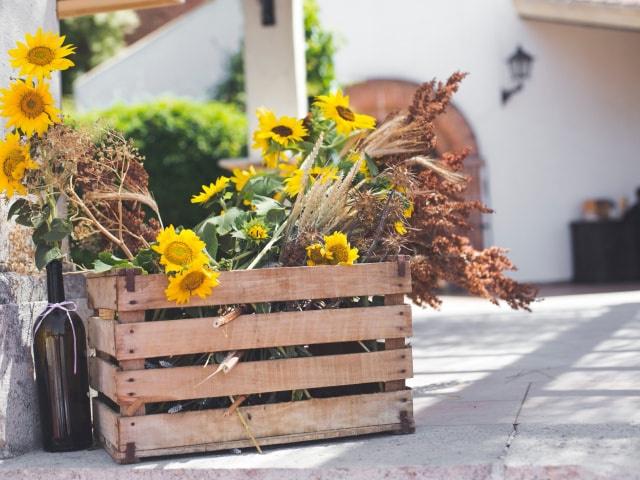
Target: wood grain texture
[263,441]
[184,383]
[101,292]
[107,423]
[77,8]
[393,343]
[179,337]
[101,335]
[290,421]
[269,285]
[102,377]
[125,318]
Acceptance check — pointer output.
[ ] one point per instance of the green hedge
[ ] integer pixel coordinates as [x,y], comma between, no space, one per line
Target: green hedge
[182,142]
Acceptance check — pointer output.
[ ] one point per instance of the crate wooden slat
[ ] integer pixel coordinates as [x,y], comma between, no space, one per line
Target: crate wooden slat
[123,340]
[186,383]
[161,338]
[211,430]
[256,286]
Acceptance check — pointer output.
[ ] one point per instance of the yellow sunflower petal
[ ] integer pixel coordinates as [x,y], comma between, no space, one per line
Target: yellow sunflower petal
[42,54]
[193,281]
[180,250]
[336,107]
[15,159]
[27,107]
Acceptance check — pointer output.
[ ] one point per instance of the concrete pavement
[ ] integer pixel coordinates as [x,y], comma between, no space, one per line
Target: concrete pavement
[498,394]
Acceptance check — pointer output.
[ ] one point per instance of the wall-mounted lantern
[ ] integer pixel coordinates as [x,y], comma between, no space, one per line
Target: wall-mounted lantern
[519,64]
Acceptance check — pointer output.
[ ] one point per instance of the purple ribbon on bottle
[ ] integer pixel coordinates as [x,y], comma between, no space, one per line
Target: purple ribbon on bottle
[68,306]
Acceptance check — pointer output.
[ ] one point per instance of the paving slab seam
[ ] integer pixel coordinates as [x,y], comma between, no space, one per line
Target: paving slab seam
[498,467]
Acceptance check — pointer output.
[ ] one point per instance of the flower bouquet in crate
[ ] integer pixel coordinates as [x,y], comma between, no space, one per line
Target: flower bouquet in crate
[280,317]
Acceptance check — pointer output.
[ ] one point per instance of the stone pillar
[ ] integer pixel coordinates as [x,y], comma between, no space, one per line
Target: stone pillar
[274,59]
[21,295]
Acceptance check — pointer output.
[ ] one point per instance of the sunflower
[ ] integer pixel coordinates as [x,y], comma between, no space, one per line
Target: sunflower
[180,250]
[338,251]
[316,255]
[400,228]
[270,156]
[293,183]
[29,108]
[408,212]
[42,53]
[14,160]
[336,107]
[196,280]
[212,190]
[257,230]
[283,130]
[241,177]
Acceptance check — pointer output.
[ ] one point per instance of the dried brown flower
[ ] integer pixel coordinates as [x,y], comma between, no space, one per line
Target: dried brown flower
[437,229]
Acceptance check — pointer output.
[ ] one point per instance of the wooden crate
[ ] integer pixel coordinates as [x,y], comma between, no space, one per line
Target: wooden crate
[123,340]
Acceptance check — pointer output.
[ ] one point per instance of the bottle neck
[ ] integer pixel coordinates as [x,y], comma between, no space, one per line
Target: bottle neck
[55,284]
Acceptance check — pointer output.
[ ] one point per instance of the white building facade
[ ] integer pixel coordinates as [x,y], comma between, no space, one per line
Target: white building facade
[572,133]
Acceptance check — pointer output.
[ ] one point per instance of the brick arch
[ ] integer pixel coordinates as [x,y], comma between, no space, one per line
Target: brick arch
[380,97]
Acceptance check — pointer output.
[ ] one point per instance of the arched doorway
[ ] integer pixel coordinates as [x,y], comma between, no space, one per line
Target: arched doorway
[381,97]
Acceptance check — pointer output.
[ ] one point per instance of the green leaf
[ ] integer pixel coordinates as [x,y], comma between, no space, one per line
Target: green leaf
[264,205]
[371,165]
[39,232]
[100,267]
[58,230]
[146,259]
[210,237]
[17,207]
[224,223]
[110,259]
[46,254]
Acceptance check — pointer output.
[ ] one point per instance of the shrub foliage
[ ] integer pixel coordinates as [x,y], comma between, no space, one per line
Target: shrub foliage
[182,142]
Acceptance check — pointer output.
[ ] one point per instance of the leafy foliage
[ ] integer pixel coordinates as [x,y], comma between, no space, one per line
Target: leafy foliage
[320,49]
[97,38]
[182,142]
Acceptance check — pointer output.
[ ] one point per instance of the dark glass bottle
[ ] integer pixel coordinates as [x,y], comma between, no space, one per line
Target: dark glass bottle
[63,394]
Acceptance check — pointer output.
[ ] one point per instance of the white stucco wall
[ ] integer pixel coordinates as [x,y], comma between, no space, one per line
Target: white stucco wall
[185,58]
[18,17]
[572,133]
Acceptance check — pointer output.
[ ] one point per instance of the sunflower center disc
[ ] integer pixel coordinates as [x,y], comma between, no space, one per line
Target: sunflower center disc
[346,113]
[11,161]
[178,253]
[40,56]
[32,105]
[340,253]
[192,281]
[282,130]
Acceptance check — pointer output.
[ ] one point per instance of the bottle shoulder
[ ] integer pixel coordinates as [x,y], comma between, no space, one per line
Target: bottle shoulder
[58,322]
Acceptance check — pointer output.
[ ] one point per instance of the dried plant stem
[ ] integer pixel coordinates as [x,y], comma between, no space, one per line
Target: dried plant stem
[246,427]
[380,227]
[130,196]
[236,403]
[73,196]
[437,167]
[227,317]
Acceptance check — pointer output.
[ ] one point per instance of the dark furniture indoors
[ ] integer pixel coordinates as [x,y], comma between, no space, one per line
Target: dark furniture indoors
[605,251]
